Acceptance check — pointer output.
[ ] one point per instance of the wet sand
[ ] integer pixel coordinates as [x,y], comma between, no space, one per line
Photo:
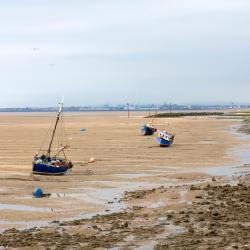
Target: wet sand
[132,176]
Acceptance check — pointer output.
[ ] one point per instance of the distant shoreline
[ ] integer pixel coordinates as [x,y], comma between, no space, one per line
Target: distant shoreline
[182,114]
[152,112]
[150,108]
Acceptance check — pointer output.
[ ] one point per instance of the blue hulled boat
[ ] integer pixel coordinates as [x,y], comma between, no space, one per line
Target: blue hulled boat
[148,129]
[165,139]
[48,164]
[49,169]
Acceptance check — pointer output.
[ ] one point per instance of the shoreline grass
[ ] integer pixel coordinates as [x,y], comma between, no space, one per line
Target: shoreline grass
[245,128]
[182,114]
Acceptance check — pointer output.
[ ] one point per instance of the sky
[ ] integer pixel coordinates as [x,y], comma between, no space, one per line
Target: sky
[116,51]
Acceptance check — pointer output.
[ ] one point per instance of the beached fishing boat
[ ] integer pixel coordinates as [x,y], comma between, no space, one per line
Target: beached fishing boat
[165,139]
[148,129]
[49,163]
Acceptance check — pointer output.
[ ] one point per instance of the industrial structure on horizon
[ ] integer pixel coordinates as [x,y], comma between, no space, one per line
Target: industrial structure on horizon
[132,107]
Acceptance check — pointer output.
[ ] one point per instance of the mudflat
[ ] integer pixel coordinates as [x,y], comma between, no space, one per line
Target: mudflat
[132,179]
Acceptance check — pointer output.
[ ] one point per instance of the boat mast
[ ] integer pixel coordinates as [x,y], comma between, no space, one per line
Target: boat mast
[57,120]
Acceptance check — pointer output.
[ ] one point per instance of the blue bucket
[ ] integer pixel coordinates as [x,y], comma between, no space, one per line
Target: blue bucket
[38,192]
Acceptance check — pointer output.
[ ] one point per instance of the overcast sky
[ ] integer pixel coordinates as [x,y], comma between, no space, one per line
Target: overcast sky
[116,51]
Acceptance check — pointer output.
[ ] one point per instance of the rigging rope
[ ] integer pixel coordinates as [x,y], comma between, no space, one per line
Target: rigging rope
[46,136]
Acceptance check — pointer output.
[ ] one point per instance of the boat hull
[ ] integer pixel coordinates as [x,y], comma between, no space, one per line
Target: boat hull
[47,169]
[163,143]
[148,131]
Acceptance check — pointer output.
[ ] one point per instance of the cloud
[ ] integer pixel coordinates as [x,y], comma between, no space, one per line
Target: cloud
[115,48]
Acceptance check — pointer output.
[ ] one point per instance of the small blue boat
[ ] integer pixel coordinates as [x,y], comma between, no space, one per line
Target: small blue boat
[148,129]
[165,139]
[48,164]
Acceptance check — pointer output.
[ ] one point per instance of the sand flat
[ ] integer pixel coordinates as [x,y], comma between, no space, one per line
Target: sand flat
[125,160]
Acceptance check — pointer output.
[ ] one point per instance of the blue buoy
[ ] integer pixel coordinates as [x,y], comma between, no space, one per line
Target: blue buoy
[38,192]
